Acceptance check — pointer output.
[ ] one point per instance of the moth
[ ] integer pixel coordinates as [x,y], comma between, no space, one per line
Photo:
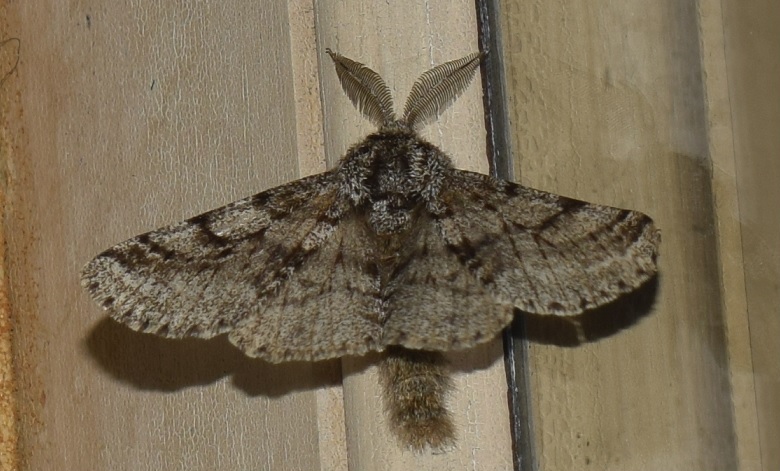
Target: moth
[392,250]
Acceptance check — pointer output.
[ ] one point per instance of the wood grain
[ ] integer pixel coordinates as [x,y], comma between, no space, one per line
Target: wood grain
[745,118]
[143,115]
[627,104]
[120,118]
[401,41]
[146,114]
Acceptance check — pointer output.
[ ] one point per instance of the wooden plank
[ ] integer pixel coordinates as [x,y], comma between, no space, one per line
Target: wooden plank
[138,116]
[751,41]
[608,105]
[311,158]
[726,188]
[400,41]
[10,47]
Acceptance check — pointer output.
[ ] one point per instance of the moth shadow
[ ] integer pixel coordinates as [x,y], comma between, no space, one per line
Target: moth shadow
[477,358]
[149,362]
[592,325]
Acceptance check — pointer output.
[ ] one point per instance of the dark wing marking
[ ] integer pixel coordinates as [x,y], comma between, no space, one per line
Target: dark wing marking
[328,307]
[204,276]
[432,303]
[544,253]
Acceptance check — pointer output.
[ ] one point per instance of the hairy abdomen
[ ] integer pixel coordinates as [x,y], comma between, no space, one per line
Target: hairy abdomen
[416,384]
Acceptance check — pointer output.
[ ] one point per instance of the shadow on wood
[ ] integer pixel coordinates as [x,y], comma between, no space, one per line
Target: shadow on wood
[595,324]
[150,362]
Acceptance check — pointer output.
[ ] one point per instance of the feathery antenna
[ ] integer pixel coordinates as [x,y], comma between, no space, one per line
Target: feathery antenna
[436,89]
[365,88]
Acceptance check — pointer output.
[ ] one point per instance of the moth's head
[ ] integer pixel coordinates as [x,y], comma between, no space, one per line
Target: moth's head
[397,126]
[432,93]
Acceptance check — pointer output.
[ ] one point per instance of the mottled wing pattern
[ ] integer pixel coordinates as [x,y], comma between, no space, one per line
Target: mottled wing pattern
[231,269]
[541,252]
[328,307]
[432,303]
